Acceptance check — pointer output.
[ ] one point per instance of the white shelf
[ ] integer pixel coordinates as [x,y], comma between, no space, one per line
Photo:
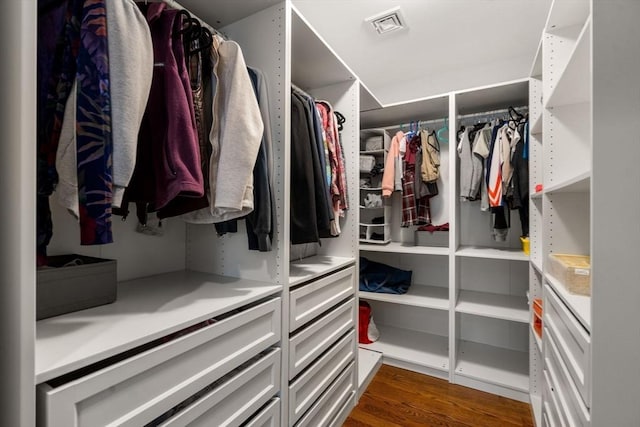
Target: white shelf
[362,224]
[577,184]
[574,84]
[497,306]
[309,268]
[417,296]
[537,195]
[371,188]
[373,152]
[580,305]
[495,365]
[399,248]
[492,253]
[417,348]
[368,364]
[537,339]
[371,209]
[146,309]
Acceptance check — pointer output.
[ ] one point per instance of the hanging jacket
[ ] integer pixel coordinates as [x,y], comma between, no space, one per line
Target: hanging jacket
[303,217]
[430,163]
[261,222]
[131,70]
[167,172]
[81,55]
[392,171]
[235,138]
[470,168]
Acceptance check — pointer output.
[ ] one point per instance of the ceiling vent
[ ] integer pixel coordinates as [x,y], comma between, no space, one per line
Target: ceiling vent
[388,21]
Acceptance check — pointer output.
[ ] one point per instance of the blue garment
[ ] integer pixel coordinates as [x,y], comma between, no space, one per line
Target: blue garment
[382,278]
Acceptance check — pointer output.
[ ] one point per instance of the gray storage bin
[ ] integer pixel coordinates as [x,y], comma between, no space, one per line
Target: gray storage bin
[63,288]
[428,238]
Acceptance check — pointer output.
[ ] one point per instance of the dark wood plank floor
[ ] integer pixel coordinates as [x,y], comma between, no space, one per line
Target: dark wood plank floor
[397,397]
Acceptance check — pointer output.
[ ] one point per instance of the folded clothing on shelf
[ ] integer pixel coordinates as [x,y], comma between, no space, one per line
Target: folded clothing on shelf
[382,278]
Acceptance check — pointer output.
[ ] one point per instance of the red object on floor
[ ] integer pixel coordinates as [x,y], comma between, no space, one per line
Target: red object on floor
[364,314]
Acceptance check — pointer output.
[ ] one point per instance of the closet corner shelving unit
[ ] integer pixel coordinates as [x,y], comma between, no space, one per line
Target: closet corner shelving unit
[282,348]
[582,100]
[374,187]
[465,317]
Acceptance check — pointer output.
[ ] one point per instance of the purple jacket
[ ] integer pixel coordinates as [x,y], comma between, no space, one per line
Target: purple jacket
[168,172]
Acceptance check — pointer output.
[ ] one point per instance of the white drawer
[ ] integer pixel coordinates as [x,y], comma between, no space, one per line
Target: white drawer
[269,416]
[136,390]
[308,387]
[329,405]
[306,345]
[573,342]
[573,408]
[235,400]
[312,299]
[550,404]
[344,412]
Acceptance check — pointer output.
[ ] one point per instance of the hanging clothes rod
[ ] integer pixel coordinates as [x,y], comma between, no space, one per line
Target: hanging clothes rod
[419,122]
[492,113]
[302,92]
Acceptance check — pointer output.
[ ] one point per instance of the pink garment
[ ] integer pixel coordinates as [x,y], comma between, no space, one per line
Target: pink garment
[388,177]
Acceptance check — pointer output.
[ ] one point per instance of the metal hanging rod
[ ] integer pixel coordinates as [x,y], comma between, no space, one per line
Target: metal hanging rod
[502,111]
[419,122]
[297,89]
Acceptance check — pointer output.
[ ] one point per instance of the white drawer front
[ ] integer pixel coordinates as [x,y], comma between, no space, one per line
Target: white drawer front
[267,417]
[136,390]
[234,401]
[573,341]
[308,387]
[306,345]
[344,412]
[312,299]
[550,405]
[575,411]
[330,404]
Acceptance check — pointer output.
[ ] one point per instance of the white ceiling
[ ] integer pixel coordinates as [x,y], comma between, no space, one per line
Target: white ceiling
[449,44]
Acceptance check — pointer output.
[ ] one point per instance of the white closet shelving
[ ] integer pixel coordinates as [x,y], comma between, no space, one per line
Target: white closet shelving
[465,316]
[580,83]
[376,232]
[190,275]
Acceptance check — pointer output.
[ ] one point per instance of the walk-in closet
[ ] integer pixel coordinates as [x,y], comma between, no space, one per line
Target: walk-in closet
[231,213]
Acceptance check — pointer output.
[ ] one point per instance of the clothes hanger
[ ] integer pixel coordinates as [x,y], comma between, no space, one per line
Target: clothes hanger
[340,119]
[443,133]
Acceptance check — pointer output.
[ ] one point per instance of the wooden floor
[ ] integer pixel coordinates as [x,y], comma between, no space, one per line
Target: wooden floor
[397,397]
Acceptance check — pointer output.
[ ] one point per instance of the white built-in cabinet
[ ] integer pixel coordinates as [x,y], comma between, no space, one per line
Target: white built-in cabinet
[465,317]
[584,147]
[231,336]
